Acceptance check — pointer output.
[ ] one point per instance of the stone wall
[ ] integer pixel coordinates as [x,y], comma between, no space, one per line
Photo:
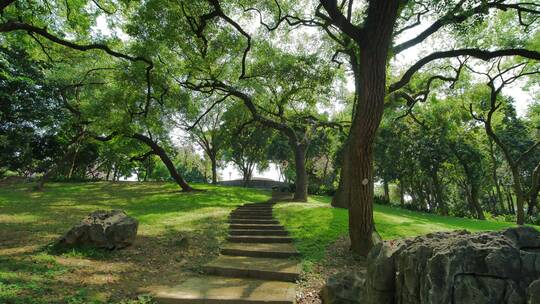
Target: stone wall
[454,268]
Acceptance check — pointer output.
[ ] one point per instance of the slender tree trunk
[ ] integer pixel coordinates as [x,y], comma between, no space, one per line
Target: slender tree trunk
[472,187]
[214,169]
[442,207]
[510,201]
[520,197]
[115,172]
[165,159]
[475,202]
[533,192]
[108,174]
[386,191]
[300,194]
[341,198]
[401,192]
[494,174]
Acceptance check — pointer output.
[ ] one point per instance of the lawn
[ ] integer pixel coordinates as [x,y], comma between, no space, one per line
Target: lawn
[177,233]
[315,225]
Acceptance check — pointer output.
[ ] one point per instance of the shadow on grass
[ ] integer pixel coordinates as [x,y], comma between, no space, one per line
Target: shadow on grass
[52,274]
[178,233]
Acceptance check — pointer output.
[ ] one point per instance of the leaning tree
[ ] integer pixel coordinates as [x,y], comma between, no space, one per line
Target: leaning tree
[133,100]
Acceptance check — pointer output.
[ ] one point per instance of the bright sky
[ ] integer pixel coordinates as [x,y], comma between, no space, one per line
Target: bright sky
[405,59]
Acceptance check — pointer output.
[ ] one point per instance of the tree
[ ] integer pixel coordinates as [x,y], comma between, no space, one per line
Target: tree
[498,77]
[246,142]
[367,38]
[208,134]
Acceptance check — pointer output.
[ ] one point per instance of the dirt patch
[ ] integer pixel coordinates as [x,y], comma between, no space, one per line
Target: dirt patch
[84,275]
[338,258]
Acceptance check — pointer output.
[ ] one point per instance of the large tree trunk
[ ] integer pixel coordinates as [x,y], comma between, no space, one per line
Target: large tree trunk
[159,151]
[359,175]
[300,194]
[370,88]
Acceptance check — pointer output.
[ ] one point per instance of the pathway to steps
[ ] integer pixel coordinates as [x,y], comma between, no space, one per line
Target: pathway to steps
[256,264]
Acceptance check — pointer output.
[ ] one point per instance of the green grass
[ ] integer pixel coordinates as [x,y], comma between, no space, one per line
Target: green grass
[177,233]
[314,225]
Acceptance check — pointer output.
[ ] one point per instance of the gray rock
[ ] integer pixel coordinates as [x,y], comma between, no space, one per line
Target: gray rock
[533,292]
[455,267]
[103,229]
[343,288]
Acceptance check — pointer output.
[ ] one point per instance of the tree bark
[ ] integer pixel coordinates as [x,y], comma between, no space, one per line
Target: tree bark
[442,207]
[214,169]
[386,191]
[401,192]
[494,175]
[159,151]
[471,186]
[533,192]
[342,196]
[359,175]
[300,194]
[374,41]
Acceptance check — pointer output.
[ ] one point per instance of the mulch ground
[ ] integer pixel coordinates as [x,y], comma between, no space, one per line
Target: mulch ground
[338,259]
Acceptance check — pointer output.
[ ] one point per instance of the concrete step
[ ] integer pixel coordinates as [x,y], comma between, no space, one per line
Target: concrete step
[257,268]
[266,250]
[256,226]
[257,232]
[252,212]
[255,217]
[253,221]
[254,208]
[259,239]
[224,290]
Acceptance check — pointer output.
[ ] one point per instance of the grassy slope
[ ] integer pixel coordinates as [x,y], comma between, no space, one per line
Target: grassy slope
[29,220]
[315,225]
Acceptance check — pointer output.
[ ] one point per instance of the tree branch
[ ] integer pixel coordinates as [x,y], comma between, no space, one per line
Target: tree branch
[5,3]
[339,20]
[142,157]
[476,53]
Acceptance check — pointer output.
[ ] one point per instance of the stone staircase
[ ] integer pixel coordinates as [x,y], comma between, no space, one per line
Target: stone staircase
[256,264]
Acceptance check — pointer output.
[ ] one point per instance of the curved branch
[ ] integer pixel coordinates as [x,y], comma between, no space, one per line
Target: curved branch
[476,53]
[452,18]
[207,111]
[11,26]
[339,20]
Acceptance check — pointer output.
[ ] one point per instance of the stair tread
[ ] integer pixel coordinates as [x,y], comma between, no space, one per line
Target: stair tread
[256,264]
[217,289]
[265,247]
